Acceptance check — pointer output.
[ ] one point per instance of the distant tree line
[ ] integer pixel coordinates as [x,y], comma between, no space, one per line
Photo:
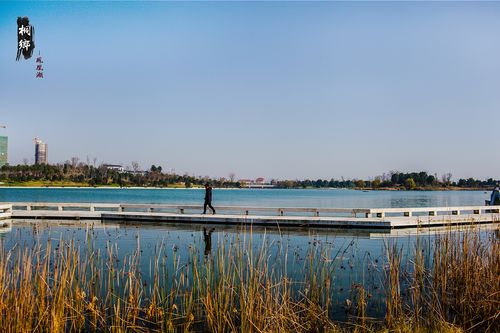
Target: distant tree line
[392,180]
[90,175]
[103,176]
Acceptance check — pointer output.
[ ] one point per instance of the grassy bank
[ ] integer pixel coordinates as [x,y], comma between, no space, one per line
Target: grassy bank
[452,286]
[45,183]
[71,184]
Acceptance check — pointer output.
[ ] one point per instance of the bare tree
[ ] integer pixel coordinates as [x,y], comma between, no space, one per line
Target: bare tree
[94,160]
[25,161]
[135,166]
[74,161]
[446,178]
[232,176]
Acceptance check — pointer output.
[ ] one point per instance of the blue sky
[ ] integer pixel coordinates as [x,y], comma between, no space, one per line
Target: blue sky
[272,89]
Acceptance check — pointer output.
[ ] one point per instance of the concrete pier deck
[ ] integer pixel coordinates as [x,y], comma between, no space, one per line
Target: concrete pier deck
[368,218]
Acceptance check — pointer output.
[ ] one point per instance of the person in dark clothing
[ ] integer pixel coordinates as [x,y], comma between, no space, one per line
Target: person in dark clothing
[208,199]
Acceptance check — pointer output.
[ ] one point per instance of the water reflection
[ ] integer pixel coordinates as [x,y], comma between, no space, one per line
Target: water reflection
[5,227]
[207,238]
[354,257]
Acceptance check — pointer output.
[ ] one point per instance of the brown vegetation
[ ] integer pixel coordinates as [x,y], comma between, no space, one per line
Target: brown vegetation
[44,289]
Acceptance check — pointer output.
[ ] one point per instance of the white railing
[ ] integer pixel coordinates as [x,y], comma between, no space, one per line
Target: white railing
[182,209]
[239,210]
[433,211]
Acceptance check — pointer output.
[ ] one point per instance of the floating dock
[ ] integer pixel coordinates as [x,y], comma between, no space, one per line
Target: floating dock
[364,218]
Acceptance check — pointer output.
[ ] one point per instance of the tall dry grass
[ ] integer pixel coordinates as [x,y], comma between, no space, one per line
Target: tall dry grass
[58,287]
[64,289]
[455,286]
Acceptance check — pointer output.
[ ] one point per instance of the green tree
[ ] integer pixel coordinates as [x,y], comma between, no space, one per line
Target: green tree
[410,184]
[360,183]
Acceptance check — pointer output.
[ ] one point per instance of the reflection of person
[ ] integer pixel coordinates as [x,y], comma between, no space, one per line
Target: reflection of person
[495,197]
[208,199]
[207,238]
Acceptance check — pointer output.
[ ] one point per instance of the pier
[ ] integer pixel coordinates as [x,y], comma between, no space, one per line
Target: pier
[368,218]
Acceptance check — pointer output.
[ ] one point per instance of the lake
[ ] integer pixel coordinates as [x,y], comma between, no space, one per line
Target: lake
[320,198]
[350,258]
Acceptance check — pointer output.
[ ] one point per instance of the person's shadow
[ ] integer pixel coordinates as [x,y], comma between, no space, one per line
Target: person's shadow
[207,238]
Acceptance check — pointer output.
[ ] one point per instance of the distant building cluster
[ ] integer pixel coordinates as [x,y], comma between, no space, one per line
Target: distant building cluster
[3,150]
[41,152]
[42,155]
[254,183]
[119,168]
[115,167]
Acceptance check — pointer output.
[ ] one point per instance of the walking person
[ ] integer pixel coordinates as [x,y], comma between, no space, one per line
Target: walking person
[208,199]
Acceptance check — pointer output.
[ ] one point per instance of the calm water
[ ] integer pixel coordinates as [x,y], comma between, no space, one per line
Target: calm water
[353,257]
[356,257]
[252,197]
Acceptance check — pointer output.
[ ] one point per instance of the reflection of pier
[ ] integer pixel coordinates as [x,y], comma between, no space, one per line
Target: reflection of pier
[367,218]
[5,211]
[312,232]
[5,226]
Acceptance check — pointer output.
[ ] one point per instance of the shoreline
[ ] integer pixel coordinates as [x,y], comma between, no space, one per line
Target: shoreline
[244,188]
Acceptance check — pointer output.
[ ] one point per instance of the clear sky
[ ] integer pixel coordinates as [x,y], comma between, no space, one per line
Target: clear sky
[272,89]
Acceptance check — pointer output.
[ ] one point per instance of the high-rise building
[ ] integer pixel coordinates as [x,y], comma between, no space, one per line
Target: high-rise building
[41,152]
[4,141]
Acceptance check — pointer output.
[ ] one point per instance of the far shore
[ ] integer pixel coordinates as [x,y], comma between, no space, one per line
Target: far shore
[243,188]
